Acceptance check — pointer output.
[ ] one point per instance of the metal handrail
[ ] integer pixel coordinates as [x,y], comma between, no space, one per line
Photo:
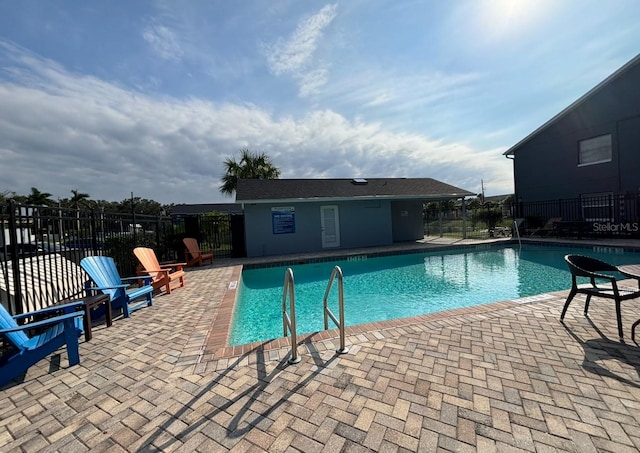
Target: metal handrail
[289,323]
[329,314]
[515,225]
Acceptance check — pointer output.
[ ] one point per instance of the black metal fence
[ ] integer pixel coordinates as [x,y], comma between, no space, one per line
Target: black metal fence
[213,232]
[480,223]
[41,247]
[597,216]
[593,216]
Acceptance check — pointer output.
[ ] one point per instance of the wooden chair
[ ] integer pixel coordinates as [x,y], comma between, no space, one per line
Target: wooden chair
[591,268]
[169,276]
[60,330]
[105,276]
[193,251]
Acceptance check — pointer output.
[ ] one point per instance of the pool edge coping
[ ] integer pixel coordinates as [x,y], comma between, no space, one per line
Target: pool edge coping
[216,344]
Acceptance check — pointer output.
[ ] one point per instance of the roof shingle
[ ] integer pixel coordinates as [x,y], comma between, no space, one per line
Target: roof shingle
[263,190]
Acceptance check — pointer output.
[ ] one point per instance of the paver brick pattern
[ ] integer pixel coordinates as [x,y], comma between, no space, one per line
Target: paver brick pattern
[505,377]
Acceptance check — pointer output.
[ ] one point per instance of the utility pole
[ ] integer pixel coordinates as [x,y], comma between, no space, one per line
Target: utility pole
[482,187]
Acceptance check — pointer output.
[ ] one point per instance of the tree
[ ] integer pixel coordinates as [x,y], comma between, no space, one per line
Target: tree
[140,206]
[78,199]
[6,196]
[474,203]
[38,198]
[490,216]
[251,166]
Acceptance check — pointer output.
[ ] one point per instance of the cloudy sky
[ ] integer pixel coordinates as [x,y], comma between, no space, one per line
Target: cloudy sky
[150,97]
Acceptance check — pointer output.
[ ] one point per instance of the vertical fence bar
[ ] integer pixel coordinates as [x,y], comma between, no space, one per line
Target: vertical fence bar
[15,264]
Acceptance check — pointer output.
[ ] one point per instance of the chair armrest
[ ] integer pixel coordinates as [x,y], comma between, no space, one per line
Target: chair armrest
[50,309]
[43,323]
[93,288]
[147,273]
[171,265]
[176,268]
[597,274]
[145,278]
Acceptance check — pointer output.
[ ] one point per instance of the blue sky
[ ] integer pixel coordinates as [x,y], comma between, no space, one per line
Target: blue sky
[150,97]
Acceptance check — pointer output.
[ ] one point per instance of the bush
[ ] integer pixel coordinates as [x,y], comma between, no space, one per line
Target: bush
[488,216]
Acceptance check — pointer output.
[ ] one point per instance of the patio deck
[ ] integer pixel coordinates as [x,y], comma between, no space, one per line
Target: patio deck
[501,377]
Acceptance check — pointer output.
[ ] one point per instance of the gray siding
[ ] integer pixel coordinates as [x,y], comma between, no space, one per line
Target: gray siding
[406,218]
[362,224]
[546,166]
[629,151]
[261,241]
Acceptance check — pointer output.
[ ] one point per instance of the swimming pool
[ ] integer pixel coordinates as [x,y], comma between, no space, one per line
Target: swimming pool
[399,286]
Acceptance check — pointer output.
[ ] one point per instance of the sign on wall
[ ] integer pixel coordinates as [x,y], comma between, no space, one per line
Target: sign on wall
[283,220]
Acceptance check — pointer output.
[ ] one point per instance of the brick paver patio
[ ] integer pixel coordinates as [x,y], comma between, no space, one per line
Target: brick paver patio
[503,377]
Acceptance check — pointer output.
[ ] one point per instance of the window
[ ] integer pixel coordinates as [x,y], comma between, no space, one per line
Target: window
[595,150]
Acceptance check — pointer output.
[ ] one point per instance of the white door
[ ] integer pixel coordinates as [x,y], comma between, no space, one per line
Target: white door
[330,225]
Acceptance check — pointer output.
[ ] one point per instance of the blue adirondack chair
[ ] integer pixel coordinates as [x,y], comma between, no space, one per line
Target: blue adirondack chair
[105,276]
[61,330]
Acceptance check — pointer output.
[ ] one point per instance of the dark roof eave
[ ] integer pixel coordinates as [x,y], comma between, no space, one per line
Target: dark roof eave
[511,151]
[363,198]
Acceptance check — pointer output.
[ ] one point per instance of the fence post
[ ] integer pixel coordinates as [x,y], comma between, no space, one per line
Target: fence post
[464,219]
[94,233]
[15,264]
[161,251]
[135,225]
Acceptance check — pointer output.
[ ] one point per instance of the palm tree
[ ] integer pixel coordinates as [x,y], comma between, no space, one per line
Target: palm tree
[78,198]
[251,166]
[38,198]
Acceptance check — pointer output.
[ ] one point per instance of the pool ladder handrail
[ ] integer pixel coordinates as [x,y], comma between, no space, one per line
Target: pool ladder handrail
[517,230]
[289,322]
[337,272]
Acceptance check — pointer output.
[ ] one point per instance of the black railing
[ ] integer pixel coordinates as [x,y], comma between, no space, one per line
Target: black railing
[474,223]
[598,216]
[212,231]
[41,248]
[593,216]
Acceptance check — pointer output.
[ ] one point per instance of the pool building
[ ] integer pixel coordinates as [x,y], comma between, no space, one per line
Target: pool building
[284,216]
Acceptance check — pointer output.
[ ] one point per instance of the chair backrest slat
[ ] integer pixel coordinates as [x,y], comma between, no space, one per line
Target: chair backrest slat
[7,322]
[192,247]
[103,271]
[147,258]
[586,266]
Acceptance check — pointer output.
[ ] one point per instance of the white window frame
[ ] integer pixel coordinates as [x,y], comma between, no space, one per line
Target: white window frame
[595,150]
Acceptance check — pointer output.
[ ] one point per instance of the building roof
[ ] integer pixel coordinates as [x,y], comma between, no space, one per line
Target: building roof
[496,198]
[304,190]
[511,151]
[191,209]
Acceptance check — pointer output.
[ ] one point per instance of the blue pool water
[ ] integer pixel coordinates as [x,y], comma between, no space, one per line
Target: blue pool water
[399,286]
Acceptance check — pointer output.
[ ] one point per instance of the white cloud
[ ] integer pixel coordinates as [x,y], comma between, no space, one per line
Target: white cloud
[312,82]
[294,56]
[61,131]
[379,98]
[163,41]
